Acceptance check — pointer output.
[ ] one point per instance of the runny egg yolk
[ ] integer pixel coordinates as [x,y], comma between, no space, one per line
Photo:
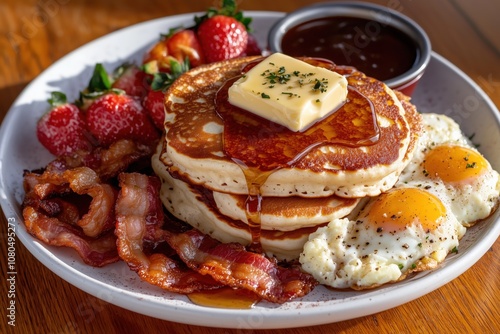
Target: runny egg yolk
[402,207]
[454,163]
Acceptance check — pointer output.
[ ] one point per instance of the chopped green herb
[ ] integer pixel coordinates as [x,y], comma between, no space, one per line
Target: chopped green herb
[280,75]
[472,165]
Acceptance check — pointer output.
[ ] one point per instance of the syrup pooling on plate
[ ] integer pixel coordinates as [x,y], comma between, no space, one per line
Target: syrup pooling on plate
[261,147]
[225,298]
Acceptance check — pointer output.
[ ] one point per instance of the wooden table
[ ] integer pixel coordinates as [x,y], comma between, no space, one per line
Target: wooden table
[34,34]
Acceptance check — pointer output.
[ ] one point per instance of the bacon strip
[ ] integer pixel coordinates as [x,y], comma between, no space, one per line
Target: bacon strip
[106,162]
[82,181]
[232,265]
[96,252]
[139,218]
[119,157]
[68,204]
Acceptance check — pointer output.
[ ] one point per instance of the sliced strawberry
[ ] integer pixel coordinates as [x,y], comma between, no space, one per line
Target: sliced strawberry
[222,37]
[131,79]
[119,116]
[178,45]
[184,44]
[158,55]
[62,130]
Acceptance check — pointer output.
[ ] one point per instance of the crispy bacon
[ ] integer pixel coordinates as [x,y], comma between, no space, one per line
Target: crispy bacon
[54,211]
[68,204]
[106,162]
[82,181]
[232,265]
[96,252]
[139,218]
[119,157]
[162,254]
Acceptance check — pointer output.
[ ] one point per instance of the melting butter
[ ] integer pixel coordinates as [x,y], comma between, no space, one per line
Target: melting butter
[289,91]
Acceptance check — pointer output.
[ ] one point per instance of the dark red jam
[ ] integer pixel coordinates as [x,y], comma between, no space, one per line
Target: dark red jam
[378,50]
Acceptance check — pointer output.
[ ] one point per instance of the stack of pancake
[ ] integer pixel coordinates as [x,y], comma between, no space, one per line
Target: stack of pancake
[204,187]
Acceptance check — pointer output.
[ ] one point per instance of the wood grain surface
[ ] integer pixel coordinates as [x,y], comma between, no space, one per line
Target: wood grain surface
[34,34]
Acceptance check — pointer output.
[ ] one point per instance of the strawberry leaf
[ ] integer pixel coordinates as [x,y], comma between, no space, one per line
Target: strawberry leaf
[170,32]
[100,80]
[228,8]
[57,99]
[99,84]
[162,80]
[118,72]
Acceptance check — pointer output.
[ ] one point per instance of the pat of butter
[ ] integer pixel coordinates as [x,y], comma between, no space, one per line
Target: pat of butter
[289,91]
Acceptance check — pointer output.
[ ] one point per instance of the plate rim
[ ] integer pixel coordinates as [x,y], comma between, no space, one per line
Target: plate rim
[280,318]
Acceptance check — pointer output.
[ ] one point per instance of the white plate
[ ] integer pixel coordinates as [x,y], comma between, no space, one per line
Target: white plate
[443,89]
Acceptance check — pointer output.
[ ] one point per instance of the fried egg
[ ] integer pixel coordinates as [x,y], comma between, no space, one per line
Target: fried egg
[447,165]
[447,186]
[400,231]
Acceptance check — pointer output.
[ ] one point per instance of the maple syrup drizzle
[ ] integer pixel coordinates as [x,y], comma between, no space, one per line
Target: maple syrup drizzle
[255,178]
[261,147]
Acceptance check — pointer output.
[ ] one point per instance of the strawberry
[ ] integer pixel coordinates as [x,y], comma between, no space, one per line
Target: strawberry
[62,129]
[131,79]
[115,116]
[157,55]
[222,37]
[184,44]
[153,102]
[223,32]
[178,45]
[253,48]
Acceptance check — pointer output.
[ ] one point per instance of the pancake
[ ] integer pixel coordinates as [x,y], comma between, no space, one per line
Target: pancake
[196,206]
[194,142]
[287,213]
